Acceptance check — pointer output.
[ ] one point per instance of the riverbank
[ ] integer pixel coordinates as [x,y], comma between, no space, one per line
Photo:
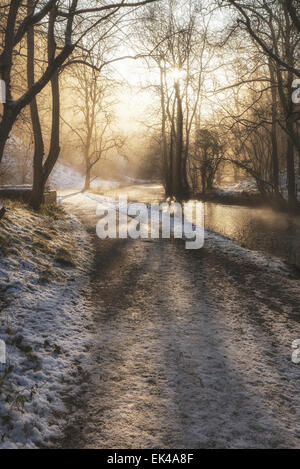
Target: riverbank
[245,193]
[259,228]
[248,199]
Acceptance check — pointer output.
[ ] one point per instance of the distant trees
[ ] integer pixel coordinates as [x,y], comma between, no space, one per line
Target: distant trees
[93,113]
[272,28]
[260,18]
[205,159]
[255,126]
[293,8]
[217,92]
[176,39]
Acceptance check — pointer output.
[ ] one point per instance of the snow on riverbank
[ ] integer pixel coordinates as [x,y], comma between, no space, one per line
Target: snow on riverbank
[44,260]
[249,186]
[65,177]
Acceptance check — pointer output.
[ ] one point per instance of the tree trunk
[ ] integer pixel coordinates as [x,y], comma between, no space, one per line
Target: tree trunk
[171,159]
[290,168]
[37,186]
[164,145]
[37,193]
[9,111]
[55,131]
[87,183]
[275,162]
[41,171]
[6,124]
[177,167]
[289,107]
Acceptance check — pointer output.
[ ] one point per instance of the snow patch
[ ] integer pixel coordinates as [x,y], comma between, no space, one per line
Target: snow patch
[65,177]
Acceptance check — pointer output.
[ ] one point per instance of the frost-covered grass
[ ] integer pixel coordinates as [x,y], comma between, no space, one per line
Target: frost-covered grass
[44,259]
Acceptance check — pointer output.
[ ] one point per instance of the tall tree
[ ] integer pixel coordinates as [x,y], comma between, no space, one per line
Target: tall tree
[74,23]
[276,36]
[176,39]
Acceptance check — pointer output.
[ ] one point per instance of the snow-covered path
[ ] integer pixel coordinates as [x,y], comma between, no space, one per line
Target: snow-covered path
[193,348]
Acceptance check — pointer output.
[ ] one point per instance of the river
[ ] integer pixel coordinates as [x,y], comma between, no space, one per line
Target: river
[260,229]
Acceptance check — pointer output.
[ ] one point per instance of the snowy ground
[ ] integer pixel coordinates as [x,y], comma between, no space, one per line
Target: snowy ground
[65,177]
[193,348]
[44,261]
[142,344]
[249,186]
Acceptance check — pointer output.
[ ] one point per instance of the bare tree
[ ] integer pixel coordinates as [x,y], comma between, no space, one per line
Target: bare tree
[93,114]
[294,11]
[253,18]
[206,157]
[276,40]
[176,41]
[74,24]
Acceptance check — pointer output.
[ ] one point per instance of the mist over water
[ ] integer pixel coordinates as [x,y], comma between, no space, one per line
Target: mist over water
[260,229]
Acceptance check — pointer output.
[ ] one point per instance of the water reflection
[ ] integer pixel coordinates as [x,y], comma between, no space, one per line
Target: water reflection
[260,229]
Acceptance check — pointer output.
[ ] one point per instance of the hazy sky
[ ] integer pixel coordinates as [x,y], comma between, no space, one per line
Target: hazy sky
[134,101]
